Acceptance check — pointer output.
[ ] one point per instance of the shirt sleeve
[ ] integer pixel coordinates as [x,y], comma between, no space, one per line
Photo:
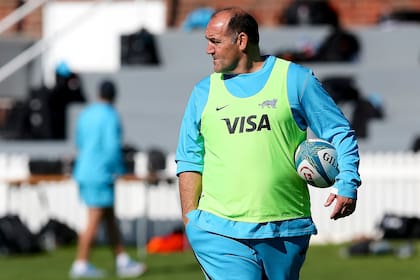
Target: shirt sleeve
[190,150]
[113,144]
[314,108]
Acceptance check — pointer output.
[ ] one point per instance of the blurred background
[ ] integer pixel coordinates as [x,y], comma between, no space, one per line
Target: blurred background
[53,54]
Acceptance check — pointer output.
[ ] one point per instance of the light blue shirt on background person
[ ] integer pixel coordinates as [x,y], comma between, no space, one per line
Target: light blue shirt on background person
[98,140]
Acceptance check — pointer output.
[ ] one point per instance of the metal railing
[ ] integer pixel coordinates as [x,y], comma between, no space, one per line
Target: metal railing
[39,47]
[21,12]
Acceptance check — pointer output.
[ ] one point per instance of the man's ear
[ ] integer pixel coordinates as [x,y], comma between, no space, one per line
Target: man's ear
[242,41]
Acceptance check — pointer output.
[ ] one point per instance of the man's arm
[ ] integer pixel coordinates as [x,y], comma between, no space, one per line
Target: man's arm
[189,192]
[315,108]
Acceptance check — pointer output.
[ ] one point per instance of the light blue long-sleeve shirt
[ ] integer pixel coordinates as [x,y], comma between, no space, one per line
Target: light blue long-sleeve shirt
[311,106]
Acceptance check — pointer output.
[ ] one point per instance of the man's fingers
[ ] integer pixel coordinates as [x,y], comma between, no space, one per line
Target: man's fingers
[341,211]
[330,200]
[347,210]
[336,213]
[344,206]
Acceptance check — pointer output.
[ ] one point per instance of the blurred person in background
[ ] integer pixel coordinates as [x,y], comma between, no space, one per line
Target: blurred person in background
[68,89]
[197,19]
[98,164]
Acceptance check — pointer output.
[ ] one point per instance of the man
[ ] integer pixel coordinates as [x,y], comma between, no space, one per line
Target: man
[246,211]
[99,162]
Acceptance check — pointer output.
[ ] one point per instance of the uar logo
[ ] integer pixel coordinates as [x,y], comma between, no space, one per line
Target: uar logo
[271,103]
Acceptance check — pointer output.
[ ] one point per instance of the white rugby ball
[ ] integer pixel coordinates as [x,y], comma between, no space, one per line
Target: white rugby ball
[316,162]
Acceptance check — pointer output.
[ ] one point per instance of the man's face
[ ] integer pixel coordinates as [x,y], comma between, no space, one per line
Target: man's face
[221,45]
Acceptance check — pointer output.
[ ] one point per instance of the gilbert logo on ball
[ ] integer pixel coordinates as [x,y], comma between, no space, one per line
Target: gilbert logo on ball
[316,162]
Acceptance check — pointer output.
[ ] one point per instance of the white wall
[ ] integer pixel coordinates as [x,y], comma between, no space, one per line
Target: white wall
[87,34]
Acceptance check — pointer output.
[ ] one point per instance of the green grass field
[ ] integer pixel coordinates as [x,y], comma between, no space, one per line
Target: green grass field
[323,263]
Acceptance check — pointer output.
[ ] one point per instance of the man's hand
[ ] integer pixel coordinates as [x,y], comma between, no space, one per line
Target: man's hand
[344,206]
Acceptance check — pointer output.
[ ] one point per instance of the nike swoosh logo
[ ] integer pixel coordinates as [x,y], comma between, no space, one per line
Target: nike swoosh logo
[220,108]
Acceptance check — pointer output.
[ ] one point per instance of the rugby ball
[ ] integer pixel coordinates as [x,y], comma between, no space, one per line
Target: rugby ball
[316,162]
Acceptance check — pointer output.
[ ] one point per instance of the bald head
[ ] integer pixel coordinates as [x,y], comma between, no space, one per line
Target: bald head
[232,36]
[238,21]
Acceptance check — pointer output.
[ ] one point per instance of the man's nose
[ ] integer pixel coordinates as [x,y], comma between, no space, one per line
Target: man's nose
[210,48]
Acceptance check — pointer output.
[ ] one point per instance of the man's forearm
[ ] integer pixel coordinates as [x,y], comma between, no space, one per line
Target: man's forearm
[189,191]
